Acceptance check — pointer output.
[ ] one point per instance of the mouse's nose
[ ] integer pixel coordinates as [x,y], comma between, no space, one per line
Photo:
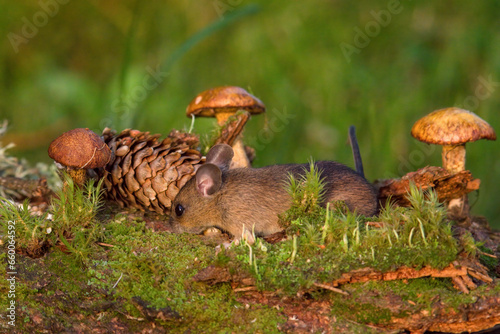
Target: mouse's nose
[171,225]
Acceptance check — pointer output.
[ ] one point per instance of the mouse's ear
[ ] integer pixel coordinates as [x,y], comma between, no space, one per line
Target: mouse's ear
[208,179]
[220,155]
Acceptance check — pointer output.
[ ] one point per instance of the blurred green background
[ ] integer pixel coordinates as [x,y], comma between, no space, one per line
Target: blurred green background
[319,66]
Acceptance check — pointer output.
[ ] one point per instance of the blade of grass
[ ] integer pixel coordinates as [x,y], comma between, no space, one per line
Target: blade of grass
[195,39]
[207,31]
[127,54]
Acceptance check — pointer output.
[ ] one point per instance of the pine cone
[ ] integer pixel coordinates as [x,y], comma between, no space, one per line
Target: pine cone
[146,173]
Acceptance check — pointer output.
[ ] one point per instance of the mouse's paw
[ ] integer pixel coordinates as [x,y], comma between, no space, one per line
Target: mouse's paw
[212,231]
[226,245]
[248,236]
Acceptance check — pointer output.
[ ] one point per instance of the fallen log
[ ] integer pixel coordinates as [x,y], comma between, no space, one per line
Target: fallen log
[483,314]
[447,186]
[459,271]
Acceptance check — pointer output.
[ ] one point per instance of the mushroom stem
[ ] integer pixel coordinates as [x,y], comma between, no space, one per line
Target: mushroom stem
[240,158]
[454,158]
[222,117]
[454,162]
[78,175]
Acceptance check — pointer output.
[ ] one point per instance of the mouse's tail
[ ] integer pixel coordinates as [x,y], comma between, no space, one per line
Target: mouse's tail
[358,163]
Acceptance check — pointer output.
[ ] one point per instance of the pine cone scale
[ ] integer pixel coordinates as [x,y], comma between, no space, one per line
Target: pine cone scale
[127,162]
[131,182]
[139,156]
[143,172]
[172,158]
[148,190]
[183,180]
[164,200]
[172,191]
[170,175]
[122,151]
[138,146]
[185,169]
[141,198]
[158,184]
[157,165]
[116,173]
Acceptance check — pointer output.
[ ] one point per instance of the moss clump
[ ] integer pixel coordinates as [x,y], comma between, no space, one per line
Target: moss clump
[140,279]
[74,210]
[156,268]
[323,243]
[73,224]
[28,234]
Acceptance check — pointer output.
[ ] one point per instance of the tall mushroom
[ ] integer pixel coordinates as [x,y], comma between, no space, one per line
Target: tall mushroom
[221,103]
[78,150]
[453,128]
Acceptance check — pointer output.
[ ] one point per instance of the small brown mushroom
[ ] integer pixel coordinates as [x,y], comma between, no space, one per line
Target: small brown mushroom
[78,150]
[453,128]
[221,103]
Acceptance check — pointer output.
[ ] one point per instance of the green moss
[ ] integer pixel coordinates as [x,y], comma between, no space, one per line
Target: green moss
[29,233]
[490,262]
[362,306]
[154,268]
[158,268]
[376,302]
[324,243]
[74,223]
[74,210]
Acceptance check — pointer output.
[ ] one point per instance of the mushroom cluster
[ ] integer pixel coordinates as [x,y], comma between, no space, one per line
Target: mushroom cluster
[77,151]
[222,103]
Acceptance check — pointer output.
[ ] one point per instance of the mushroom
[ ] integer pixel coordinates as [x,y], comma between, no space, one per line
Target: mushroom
[221,103]
[78,150]
[453,128]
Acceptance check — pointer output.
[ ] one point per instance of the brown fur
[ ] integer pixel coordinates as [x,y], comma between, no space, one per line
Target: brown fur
[253,197]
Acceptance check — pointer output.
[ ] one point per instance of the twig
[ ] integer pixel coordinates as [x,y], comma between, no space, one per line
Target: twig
[479,276]
[486,254]
[131,317]
[468,282]
[331,288]
[367,325]
[245,289]
[114,286]
[460,284]
[103,244]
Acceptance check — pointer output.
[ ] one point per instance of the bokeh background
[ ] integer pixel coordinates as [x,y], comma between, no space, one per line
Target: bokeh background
[319,66]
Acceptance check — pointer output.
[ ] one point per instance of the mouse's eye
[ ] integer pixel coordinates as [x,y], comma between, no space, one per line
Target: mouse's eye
[179,210]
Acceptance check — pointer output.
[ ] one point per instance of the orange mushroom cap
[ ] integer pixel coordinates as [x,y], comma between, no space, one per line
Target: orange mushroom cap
[224,99]
[452,126]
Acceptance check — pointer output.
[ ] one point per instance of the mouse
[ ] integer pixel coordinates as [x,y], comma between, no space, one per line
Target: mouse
[249,199]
